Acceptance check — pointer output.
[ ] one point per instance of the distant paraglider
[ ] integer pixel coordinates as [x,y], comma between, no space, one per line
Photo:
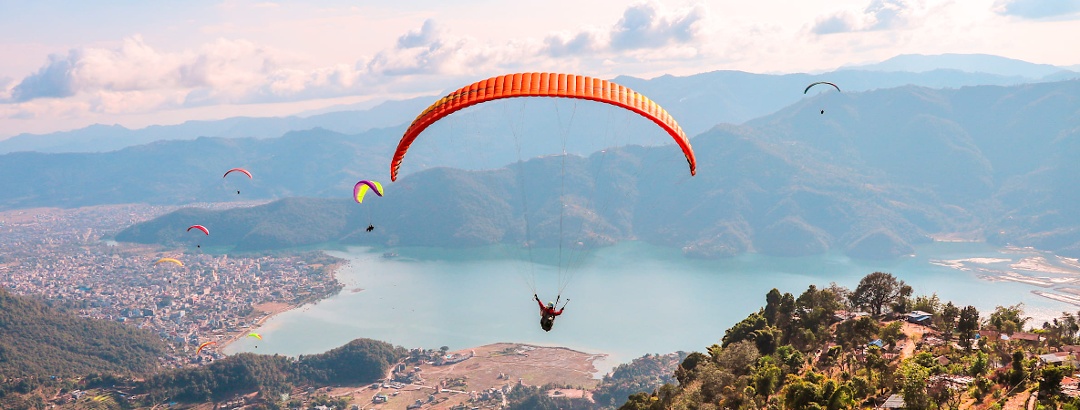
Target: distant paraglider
[169,260]
[200,228]
[240,170]
[821,82]
[361,188]
[202,346]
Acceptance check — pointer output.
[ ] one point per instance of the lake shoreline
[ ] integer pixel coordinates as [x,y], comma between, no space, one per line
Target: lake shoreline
[415,300]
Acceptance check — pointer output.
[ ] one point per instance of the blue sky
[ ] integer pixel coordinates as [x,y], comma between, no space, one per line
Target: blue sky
[65,65]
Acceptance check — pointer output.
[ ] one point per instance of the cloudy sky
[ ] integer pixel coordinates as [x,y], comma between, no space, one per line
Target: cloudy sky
[65,65]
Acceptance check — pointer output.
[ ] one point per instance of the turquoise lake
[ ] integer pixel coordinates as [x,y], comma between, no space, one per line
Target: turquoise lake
[626,300]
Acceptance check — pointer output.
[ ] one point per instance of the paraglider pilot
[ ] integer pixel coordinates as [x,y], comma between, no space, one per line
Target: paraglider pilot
[548,313]
[370,228]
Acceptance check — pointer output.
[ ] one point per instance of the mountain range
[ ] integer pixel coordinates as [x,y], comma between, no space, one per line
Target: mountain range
[877,173]
[868,173]
[698,101]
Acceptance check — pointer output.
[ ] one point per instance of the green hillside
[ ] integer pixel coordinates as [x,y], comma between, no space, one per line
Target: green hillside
[39,341]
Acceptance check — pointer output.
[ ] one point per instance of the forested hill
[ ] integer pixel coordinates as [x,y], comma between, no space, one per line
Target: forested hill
[616,195]
[877,173]
[358,362]
[39,341]
[818,350]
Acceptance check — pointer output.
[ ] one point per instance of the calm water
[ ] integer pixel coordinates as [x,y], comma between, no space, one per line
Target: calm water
[627,300]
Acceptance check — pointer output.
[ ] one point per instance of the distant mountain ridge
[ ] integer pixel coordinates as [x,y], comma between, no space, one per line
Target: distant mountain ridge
[105,138]
[972,63]
[876,173]
[698,101]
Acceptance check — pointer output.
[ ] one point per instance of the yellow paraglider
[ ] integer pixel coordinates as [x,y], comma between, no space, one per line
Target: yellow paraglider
[169,260]
[361,188]
[255,335]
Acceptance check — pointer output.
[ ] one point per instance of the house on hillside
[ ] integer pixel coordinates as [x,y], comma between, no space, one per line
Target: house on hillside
[991,334]
[1070,386]
[895,401]
[1058,358]
[1070,348]
[1025,336]
[919,317]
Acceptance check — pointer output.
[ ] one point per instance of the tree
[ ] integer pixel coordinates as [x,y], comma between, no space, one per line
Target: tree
[767,339]
[1009,319]
[686,371]
[929,304]
[878,290]
[1018,373]
[892,333]
[947,320]
[857,332]
[914,379]
[772,306]
[944,395]
[738,357]
[968,324]
[1050,382]
[744,330]
[1063,330]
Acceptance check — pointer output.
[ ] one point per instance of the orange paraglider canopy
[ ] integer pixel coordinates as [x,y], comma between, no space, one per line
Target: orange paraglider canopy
[202,346]
[542,85]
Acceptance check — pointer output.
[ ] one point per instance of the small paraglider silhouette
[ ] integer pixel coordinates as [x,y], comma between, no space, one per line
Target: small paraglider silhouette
[821,82]
[370,228]
[240,170]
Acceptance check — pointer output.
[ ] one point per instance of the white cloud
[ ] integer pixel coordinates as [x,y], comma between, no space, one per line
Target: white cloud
[140,77]
[643,26]
[877,15]
[648,25]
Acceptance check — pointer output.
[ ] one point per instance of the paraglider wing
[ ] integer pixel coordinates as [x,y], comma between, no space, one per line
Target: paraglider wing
[361,188]
[255,335]
[240,170]
[169,260]
[199,350]
[199,227]
[821,82]
[543,85]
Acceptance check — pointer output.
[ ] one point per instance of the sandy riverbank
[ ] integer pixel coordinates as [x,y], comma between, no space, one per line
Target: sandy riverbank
[264,311]
[1028,266]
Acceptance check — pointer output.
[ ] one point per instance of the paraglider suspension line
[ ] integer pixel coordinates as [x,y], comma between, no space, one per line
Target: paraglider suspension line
[529,279]
[564,269]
